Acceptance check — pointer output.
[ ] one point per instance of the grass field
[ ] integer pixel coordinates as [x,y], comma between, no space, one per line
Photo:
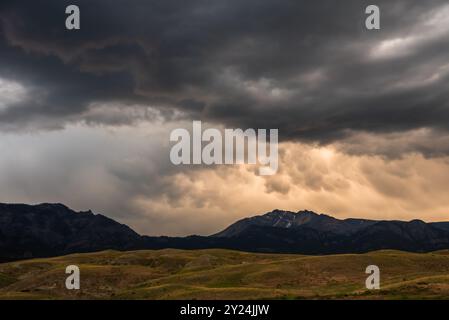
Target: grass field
[224,274]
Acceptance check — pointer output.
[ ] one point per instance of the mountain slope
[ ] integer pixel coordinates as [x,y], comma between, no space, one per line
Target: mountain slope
[53,229]
[310,233]
[441,225]
[290,220]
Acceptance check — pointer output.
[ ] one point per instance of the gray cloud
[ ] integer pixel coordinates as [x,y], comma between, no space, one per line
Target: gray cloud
[308,68]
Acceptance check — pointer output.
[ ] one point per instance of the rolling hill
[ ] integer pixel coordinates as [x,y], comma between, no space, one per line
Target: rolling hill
[224,274]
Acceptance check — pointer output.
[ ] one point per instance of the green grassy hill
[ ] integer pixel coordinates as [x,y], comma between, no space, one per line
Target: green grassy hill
[224,274]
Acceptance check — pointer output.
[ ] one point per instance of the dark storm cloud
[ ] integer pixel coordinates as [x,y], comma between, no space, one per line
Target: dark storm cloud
[306,67]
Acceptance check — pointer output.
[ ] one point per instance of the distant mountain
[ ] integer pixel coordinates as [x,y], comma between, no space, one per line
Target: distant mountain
[302,219]
[53,229]
[311,233]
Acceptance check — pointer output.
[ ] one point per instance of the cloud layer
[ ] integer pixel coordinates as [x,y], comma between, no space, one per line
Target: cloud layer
[308,68]
[362,115]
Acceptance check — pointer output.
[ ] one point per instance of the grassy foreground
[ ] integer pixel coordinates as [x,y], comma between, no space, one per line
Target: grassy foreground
[224,274]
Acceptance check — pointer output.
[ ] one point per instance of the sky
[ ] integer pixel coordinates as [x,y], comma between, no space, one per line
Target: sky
[363,115]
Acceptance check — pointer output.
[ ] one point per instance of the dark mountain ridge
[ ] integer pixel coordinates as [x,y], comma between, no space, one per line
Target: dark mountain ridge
[53,229]
[44,230]
[291,220]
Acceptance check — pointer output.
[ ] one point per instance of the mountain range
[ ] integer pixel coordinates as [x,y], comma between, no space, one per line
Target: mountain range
[45,230]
